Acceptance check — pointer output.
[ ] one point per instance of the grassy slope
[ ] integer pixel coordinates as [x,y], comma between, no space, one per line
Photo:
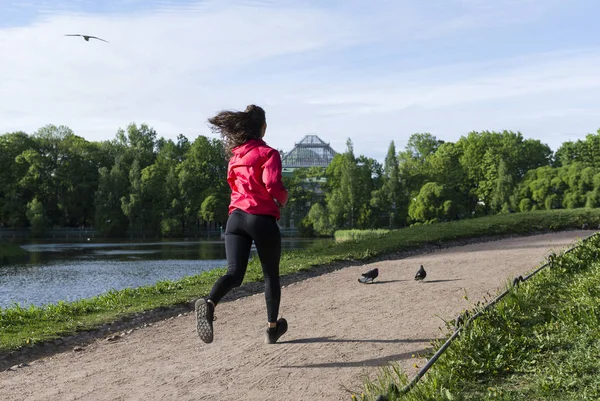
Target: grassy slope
[542,342]
[20,326]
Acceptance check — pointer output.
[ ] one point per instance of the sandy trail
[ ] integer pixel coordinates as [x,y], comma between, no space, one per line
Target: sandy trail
[339,331]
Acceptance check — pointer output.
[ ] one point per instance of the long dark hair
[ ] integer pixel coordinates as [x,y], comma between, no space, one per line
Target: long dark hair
[237,127]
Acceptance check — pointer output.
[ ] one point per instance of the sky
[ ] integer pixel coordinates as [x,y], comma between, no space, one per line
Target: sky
[374,71]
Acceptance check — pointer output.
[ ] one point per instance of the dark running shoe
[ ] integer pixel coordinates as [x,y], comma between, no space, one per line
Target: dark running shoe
[273,334]
[204,320]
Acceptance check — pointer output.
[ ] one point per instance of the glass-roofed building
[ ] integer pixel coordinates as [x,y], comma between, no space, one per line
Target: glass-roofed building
[311,151]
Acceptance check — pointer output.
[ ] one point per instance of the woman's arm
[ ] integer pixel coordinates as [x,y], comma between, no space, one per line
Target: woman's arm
[272,178]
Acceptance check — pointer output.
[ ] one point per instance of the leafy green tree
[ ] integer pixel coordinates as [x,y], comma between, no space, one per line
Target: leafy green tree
[552,201]
[525,205]
[567,153]
[42,163]
[390,200]
[593,199]
[319,219]
[214,208]
[113,185]
[134,149]
[132,203]
[60,169]
[202,172]
[543,186]
[36,214]
[422,145]
[585,151]
[428,206]
[77,177]
[340,199]
[569,186]
[140,144]
[538,185]
[160,192]
[171,227]
[572,192]
[446,166]
[483,152]
[351,184]
[13,197]
[305,188]
[533,154]
[369,179]
[414,168]
[170,156]
[503,190]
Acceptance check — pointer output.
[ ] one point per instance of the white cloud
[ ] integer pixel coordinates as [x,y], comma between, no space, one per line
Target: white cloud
[174,67]
[154,62]
[564,71]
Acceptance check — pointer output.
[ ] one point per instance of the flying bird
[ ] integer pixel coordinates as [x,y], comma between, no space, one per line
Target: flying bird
[86,37]
[421,274]
[369,276]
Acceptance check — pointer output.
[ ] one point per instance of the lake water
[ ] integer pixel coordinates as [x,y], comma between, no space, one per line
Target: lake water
[70,271]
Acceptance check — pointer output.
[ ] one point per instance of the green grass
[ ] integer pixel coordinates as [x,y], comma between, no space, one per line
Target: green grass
[359,235]
[20,326]
[541,342]
[10,253]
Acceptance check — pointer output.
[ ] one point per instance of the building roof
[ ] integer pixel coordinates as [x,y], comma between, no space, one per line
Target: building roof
[311,151]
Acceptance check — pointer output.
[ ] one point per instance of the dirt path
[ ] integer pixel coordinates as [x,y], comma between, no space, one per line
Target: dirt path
[339,332]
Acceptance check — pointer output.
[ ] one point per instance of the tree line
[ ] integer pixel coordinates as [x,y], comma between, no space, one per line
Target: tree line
[142,184]
[136,183]
[432,180]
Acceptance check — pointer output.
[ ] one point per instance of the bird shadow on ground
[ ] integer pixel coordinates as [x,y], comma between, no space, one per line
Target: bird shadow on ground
[375,362]
[387,281]
[331,339]
[441,281]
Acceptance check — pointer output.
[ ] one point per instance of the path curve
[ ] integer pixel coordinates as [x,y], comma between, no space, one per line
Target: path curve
[339,332]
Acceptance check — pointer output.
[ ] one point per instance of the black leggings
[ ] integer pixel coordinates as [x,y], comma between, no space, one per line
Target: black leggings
[241,229]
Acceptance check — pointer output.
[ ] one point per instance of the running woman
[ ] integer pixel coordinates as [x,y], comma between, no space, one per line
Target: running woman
[257,195]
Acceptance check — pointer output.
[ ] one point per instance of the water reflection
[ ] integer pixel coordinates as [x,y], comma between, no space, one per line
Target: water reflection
[70,271]
[71,280]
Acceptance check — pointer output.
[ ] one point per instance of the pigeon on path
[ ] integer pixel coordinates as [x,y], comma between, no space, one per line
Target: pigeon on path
[421,274]
[369,276]
[86,37]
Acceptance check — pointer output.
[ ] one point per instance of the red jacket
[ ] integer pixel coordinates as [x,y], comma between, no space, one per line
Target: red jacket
[254,175]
